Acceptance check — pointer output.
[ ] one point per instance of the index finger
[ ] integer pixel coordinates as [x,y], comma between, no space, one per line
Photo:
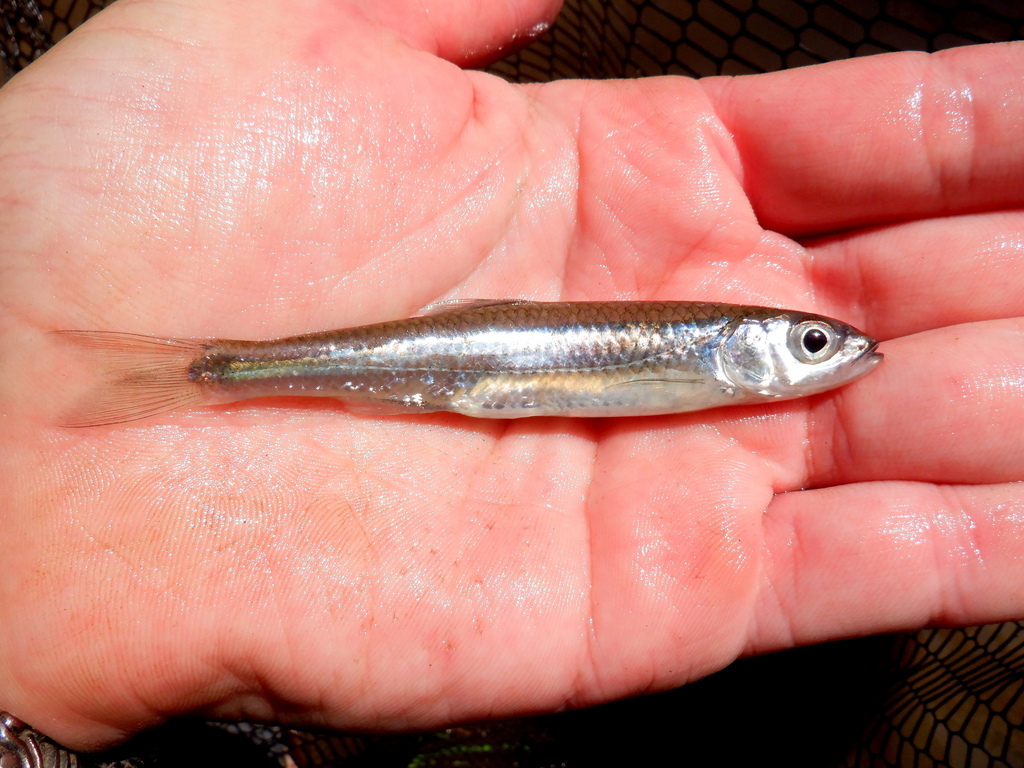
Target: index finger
[879,139]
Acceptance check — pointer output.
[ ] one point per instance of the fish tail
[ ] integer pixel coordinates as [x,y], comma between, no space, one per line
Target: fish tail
[137,376]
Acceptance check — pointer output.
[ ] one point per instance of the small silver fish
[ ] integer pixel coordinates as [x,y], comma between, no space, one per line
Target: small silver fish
[496,359]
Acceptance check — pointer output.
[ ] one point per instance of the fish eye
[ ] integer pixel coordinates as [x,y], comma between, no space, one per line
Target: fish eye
[812,341]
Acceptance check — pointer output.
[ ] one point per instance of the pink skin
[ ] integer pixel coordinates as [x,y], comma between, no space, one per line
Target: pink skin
[197,168]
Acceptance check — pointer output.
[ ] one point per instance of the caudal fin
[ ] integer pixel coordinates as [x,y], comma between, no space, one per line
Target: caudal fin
[136,376]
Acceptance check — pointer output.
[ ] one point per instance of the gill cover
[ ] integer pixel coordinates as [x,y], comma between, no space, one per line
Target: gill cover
[746,357]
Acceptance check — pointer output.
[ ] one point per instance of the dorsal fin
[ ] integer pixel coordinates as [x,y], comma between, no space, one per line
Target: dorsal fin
[452,305]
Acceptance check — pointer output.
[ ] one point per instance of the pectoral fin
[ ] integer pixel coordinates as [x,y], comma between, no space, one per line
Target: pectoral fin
[654,387]
[649,396]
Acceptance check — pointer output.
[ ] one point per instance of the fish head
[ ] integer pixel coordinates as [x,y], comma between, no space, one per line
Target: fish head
[779,354]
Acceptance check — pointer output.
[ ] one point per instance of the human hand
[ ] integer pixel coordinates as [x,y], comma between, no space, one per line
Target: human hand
[197,169]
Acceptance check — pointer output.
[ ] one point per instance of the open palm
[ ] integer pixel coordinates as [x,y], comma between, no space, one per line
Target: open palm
[198,169]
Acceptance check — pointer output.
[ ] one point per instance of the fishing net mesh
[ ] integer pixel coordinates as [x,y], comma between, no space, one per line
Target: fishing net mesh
[943,697]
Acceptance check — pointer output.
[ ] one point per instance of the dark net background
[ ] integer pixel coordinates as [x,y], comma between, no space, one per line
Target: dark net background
[933,698]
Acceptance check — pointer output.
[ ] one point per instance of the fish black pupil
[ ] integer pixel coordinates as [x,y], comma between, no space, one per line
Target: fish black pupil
[814,340]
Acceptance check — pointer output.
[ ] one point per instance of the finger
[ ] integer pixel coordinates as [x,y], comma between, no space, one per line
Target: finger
[881,557]
[945,406]
[921,275]
[880,138]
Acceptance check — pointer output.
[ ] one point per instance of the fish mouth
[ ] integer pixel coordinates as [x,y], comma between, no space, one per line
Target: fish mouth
[870,356]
